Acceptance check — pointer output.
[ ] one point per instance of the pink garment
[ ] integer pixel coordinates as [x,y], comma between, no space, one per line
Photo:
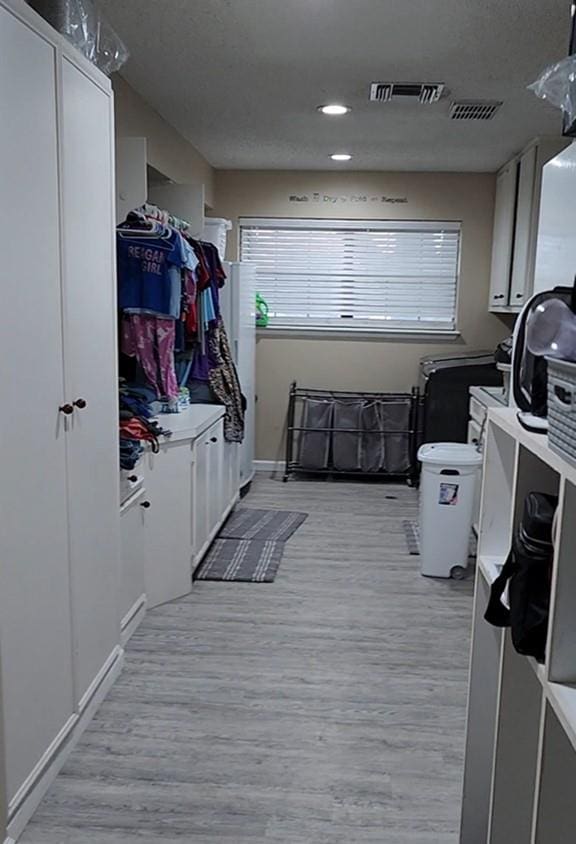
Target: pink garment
[150,339]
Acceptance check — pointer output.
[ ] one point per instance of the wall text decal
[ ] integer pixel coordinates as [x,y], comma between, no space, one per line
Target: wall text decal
[334,199]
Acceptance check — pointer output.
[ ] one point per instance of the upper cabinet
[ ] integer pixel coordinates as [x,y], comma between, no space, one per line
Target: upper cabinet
[516,225]
[134,187]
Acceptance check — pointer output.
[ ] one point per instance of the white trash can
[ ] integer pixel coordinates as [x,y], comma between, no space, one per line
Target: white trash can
[447,489]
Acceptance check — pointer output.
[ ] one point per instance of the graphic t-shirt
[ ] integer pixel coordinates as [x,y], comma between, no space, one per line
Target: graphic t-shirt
[145,283]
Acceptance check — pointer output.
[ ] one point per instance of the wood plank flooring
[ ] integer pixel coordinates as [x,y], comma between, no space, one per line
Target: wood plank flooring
[325,708]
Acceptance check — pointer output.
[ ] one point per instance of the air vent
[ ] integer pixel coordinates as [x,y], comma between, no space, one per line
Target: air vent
[474,109]
[384,92]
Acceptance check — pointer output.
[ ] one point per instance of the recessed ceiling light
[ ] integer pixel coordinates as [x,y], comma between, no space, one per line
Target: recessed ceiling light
[334,109]
[341,156]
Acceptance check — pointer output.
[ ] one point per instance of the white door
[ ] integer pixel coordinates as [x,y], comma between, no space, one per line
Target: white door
[90,368]
[167,479]
[34,582]
[524,234]
[133,556]
[503,235]
[200,496]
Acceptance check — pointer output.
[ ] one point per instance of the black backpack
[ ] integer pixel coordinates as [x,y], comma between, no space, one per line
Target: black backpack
[528,571]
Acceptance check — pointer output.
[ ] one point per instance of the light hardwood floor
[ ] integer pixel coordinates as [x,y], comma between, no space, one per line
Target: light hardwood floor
[325,708]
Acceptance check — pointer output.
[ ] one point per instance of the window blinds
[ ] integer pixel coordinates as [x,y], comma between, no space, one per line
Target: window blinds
[400,276]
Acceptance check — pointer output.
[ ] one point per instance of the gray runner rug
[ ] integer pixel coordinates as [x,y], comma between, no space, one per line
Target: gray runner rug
[273,525]
[412,534]
[246,560]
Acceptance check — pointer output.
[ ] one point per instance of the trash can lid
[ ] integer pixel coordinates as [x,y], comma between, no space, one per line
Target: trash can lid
[447,454]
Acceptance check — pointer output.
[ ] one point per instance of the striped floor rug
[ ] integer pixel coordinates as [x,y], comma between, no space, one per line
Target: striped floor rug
[273,525]
[242,560]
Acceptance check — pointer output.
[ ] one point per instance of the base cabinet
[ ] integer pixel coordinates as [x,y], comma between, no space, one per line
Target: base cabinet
[190,487]
[215,486]
[167,481]
[132,592]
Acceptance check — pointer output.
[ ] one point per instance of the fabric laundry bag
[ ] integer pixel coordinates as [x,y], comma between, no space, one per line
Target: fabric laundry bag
[396,418]
[314,446]
[372,438]
[346,446]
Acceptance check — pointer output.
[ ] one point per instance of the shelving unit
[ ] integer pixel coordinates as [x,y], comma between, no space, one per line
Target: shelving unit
[521,740]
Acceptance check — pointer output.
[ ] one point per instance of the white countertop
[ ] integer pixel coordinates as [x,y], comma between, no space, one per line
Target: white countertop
[489,396]
[190,423]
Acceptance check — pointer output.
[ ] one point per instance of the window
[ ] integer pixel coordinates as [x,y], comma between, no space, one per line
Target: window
[357,276]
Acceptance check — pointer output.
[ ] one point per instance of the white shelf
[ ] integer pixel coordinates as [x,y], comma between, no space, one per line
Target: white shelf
[531,698]
[506,419]
[490,566]
[562,699]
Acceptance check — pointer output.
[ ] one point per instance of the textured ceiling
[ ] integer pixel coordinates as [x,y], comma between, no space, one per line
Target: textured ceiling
[241,79]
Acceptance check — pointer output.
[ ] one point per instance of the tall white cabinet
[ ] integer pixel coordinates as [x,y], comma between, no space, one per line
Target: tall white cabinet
[59,507]
[515,234]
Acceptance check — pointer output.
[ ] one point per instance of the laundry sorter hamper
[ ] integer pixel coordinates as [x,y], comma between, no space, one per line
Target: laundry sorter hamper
[335,432]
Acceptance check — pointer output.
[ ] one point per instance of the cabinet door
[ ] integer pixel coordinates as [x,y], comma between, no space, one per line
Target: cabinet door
[503,235]
[231,472]
[90,370]
[200,496]
[34,570]
[167,478]
[524,234]
[216,493]
[132,557]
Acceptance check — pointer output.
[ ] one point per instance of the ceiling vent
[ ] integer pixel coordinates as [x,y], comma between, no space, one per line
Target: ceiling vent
[384,92]
[474,109]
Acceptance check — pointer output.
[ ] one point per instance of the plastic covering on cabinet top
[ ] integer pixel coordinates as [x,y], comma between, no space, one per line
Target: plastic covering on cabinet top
[82,23]
[557,85]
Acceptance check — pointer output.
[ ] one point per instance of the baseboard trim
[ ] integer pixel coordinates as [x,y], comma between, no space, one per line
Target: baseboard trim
[133,619]
[30,794]
[269,466]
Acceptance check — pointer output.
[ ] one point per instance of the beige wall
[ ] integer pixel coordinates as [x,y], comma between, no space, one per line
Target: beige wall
[390,363]
[168,151]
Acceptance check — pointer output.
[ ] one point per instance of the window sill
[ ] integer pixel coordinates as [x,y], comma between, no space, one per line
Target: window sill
[382,334]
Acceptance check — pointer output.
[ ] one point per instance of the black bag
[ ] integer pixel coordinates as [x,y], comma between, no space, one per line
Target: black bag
[528,570]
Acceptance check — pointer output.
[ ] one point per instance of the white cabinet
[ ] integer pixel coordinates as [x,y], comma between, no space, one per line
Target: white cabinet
[190,486]
[214,443]
[90,368]
[167,480]
[200,501]
[34,570]
[133,552]
[59,503]
[515,232]
[215,486]
[503,234]
[524,233]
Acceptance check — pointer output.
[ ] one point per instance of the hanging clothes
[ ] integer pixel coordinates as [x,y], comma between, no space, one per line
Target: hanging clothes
[149,272]
[150,339]
[224,382]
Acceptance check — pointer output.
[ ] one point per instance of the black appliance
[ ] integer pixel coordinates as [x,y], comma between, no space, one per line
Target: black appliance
[444,384]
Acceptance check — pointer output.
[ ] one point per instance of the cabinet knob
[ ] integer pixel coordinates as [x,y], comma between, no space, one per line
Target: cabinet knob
[519,295]
[146,505]
[213,439]
[132,478]
[80,403]
[66,408]
[499,296]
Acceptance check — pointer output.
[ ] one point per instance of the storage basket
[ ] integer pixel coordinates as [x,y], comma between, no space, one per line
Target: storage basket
[562,408]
